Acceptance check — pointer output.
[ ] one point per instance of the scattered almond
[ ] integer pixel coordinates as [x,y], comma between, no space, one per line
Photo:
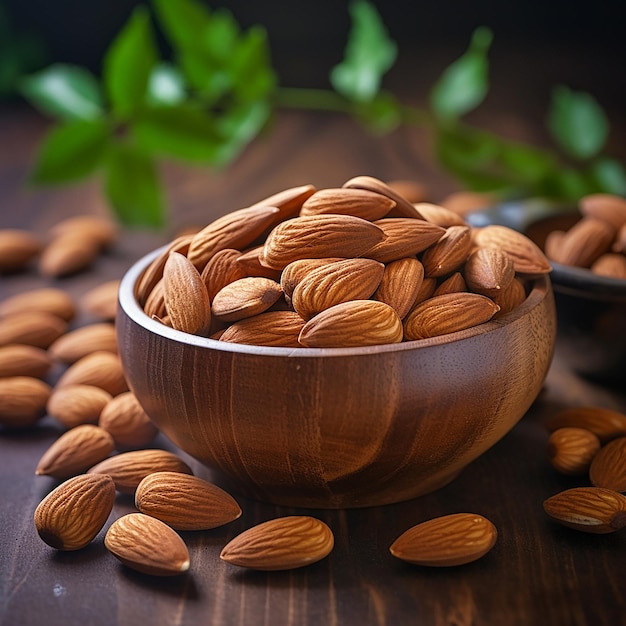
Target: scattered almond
[73,405]
[33,328]
[17,249]
[101,301]
[99,369]
[126,421]
[101,231]
[46,299]
[608,468]
[24,360]
[22,400]
[606,424]
[67,254]
[571,450]
[82,341]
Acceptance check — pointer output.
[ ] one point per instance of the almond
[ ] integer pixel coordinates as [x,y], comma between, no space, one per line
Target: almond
[17,249]
[464,202]
[155,302]
[609,208]
[488,271]
[245,297]
[280,544]
[400,284]
[221,269]
[367,205]
[403,208]
[80,342]
[446,541]
[24,360]
[101,301]
[73,405]
[33,328]
[448,313]
[237,229]
[448,253]
[585,242]
[75,451]
[526,255]
[274,328]
[22,400]
[608,468]
[249,262]
[427,289]
[436,214]
[619,245]
[126,421]
[319,236]
[510,297]
[185,502]
[453,284]
[352,324]
[147,545]
[571,450]
[293,273]
[552,244]
[611,265]
[334,283]
[101,231]
[606,424]
[404,237]
[99,369]
[67,254]
[128,469]
[185,295]
[46,299]
[71,515]
[413,191]
[288,201]
[588,509]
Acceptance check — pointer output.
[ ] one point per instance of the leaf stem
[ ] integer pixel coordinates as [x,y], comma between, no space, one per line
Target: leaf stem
[320,99]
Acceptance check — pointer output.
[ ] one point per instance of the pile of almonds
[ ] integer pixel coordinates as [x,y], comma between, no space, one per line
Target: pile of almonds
[596,242]
[351,266]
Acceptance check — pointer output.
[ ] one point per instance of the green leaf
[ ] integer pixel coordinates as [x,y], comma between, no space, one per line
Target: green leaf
[132,187]
[610,176]
[128,65]
[369,54]
[166,85]
[183,131]
[71,151]
[381,115]
[253,76]
[184,21]
[577,122]
[463,84]
[64,91]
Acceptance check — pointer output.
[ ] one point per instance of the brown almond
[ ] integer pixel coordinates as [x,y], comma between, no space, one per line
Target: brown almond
[334,283]
[448,313]
[427,289]
[185,295]
[606,424]
[22,400]
[100,230]
[101,301]
[611,265]
[73,405]
[293,273]
[250,263]
[454,283]
[319,236]
[607,207]
[33,328]
[128,469]
[367,205]
[571,450]
[288,201]
[75,451]
[437,214]
[488,271]
[17,249]
[274,328]
[448,253]
[510,297]
[353,324]
[46,299]
[155,302]
[400,284]
[446,541]
[71,515]
[552,244]
[245,297]
[608,468]
[147,545]
[80,342]
[585,242]
[526,255]
[24,360]
[588,509]
[185,502]
[619,245]
[280,544]
[67,254]
[127,422]
[221,269]
[99,369]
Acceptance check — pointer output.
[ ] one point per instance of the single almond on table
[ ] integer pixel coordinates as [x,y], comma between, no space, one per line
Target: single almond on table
[446,541]
[100,230]
[588,509]
[68,254]
[280,544]
[46,299]
[75,451]
[352,324]
[571,450]
[607,207]
[128,469]
[367,205]
[400,284]
[221,269]
[24,360]
[101,301]
[33,328]
[22,400]
[147,545]
[98,369]
[245,297]
[608,468]
[71,515]
[606,424]
[448,253]
[488,271]
[185,502]
[73,405]
[82,341]
[584,242]
[17,249]
[126,421]
[274,328]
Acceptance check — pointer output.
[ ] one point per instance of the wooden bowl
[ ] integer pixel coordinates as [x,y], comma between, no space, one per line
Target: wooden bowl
[338,428]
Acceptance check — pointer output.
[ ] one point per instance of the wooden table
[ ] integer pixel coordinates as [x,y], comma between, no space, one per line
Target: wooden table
[538,573]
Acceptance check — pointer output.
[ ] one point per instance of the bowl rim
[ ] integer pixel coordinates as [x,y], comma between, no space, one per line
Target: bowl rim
[127,302]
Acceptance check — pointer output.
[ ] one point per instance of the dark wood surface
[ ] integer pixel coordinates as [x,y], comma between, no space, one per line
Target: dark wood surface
[538,573]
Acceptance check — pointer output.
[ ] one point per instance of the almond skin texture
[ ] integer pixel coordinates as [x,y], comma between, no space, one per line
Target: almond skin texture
[455,283]
[297,270]
[588,509]
[571,450]
[488,271]
[510,297]
[99,369]
[319,236]
[439,215]
[126,421]
[147,545]
[17,249]
[606,424]
[82,341]
[23,360]
[448,313]
[400,284]
[448,253]
[274,328]
[46,300]
[367,205]
[71,515]
[245,297]
[185,502]
[22,400]
[221,270]
[75,451]
[446,541]
[352,324]
[585,242]
[608,468]
[280,544]
[334,283]
[288,201]
[128,469]
[33,328]
[73,405]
